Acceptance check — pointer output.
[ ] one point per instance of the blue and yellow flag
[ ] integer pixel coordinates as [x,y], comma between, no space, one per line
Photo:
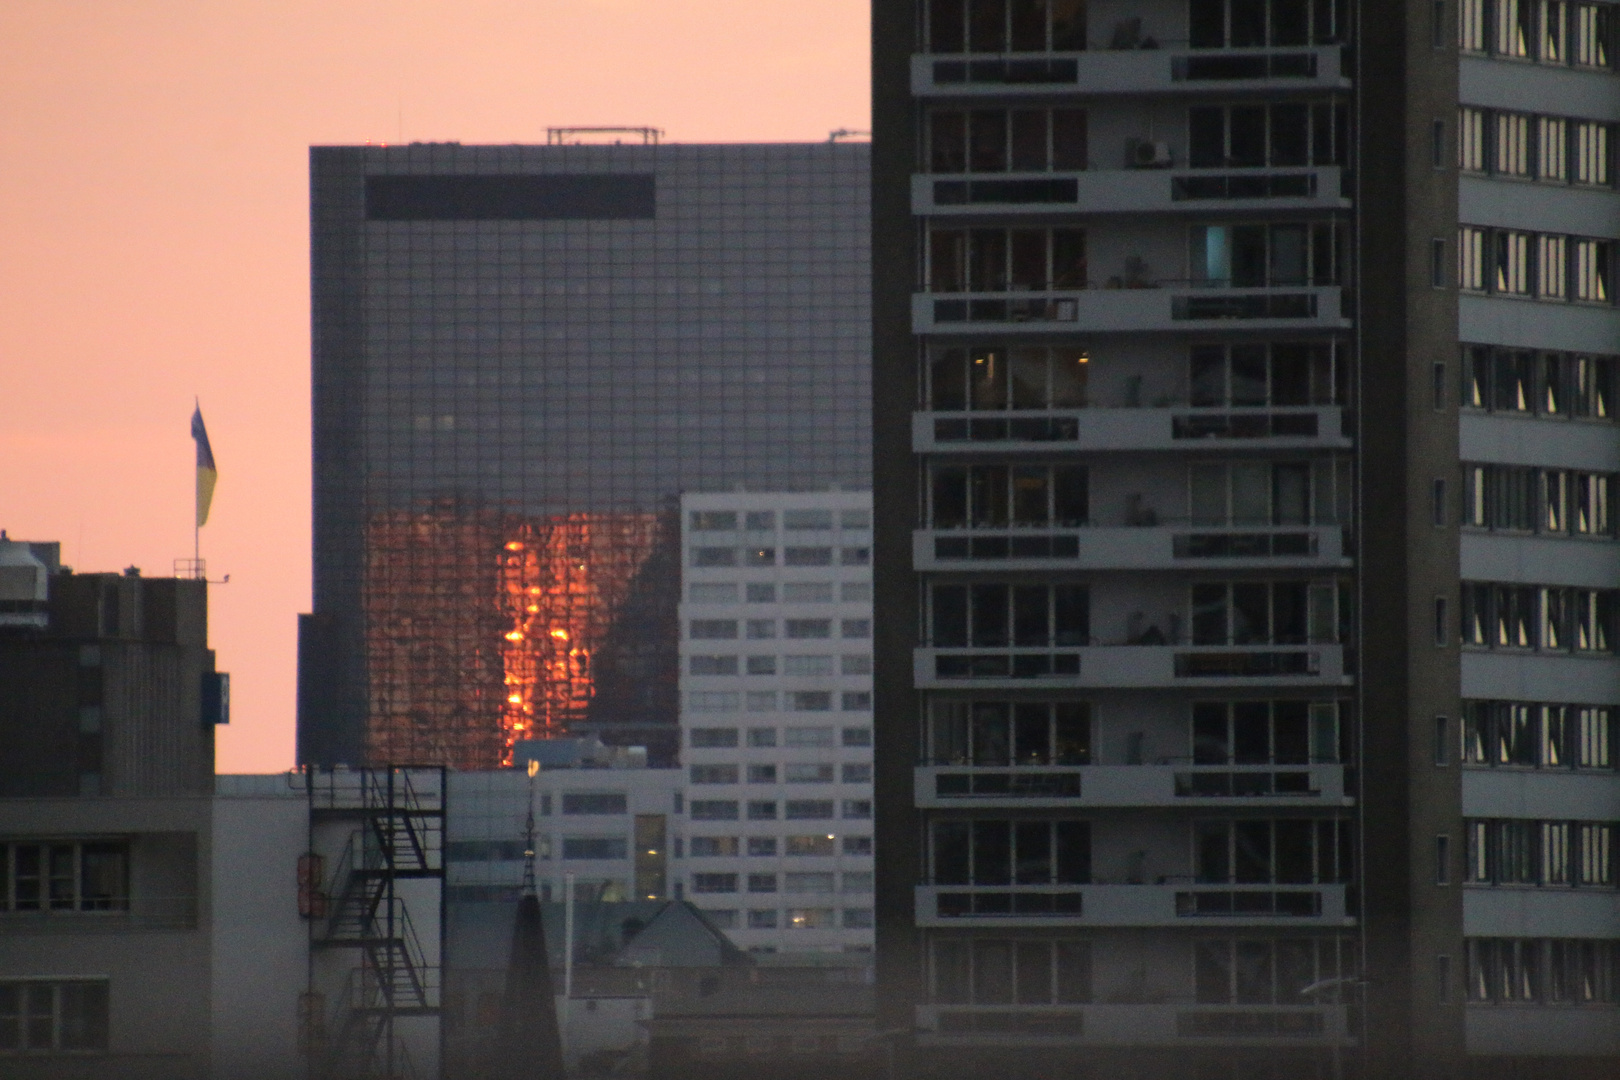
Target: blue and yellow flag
[206,473]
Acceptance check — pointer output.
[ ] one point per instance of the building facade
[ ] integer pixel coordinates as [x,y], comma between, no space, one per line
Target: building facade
[522,355]
[1245,666]
[776,716]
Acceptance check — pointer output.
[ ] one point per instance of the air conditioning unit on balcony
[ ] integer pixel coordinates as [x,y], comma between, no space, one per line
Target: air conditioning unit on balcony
[1147,154]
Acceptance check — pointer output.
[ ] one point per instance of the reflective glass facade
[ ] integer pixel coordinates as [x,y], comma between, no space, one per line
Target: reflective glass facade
[522,356]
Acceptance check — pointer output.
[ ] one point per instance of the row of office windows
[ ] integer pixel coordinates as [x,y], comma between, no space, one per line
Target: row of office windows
[704,557]
[1548,618]
[1001,26]
[807,918]
[1002,140]
[809,881]
[1531,735]
[1563,150]
[816,845]
[1545,971]
[1277,134]
[791,809]
[1551,384]
[1546,266]
[1523,498]
[1543,31]
[1518,851]
[765,629]
[994,377]
[766,520]
[791,592]
[64,876]
[805,737]
[761,701]
[43,1016]
[800,772]
[791,666]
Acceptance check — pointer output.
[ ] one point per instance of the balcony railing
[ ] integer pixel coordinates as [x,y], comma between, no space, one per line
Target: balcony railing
[1160,546]
[1166,903]
[1032,786]
[1169,68]
[1168,425]
[1168,305]
[1135,665]
[1168,1020]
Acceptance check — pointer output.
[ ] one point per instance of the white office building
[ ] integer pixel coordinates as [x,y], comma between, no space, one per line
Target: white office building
[776,717]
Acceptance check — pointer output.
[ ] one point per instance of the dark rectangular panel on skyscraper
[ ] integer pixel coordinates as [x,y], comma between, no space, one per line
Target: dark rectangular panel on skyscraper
[550,197]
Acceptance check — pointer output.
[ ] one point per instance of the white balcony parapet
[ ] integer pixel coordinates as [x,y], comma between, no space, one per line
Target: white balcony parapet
[1172,307]
[1212,666]
[1175,785]
[1168,904]
[1133,71]
[1161,547]
[1163,427]
[1185,1023]
[1129,191]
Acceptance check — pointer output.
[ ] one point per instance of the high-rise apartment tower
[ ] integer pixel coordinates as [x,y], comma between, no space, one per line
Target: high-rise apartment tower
[1245,566]
[522,356]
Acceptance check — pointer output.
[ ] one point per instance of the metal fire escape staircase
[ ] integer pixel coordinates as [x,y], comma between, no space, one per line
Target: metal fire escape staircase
[397,818]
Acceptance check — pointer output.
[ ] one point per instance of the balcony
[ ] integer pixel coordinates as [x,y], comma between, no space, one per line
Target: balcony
[1162,1023]
[1123,72]
[1164,306]
[1129,191]
[1164,904]
[1164,547]
[1170,785]
[1202,667]
[1221,430]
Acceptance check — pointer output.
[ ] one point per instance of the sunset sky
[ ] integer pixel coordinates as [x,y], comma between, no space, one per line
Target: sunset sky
[154,215]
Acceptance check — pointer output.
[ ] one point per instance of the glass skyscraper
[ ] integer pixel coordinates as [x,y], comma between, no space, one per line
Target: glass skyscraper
[522,355]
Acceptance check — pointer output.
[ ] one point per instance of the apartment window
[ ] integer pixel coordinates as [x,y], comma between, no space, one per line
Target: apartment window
[1264,971]
[1258,256]
[713,774]
[1512,262]
[762,774]
[1591,146]
[762,736]
[1285,852]
[714,883]
[1592,270]
[806,629]
[762,919]
[1438,26]
[1559,971]
[857,736]
[855,628]
[1278,373]
[1437,263]
[1442,979]
[998,260]
[712,629]
[761,810]
[713,521]
[1000,378]
[713,809]
[598,847]
[1279,135]
[1516,851]
[1471,140]
[712,665]
[762,665]
[1438,390]
[762,846]
[855,700]
[43,1016]
[857,845]
[807,665]
[1442,860]
[1471,24]
[1437,144]
[1553,384]
[809,701]
[1264,732]
[1552,501]
[1002,733]
[1514,29]
[1553,736]
[1551,265]
[1238,24]
[1442,741]
[855,665]
[1592,27]
[760,592]
[64,876]
[1002,852]
[594,803]
[995,615]
[807,520]
[1006,140]
[1512,157]
[1471,258]
[760,557]
[999,496]
[808,773]
[1438,511]
[712,593]
[856,774]
[1008,972]
[713,737]
[1263,613]
[1551,140]
[808,809]
[993,26]
[816,844]
[809,736]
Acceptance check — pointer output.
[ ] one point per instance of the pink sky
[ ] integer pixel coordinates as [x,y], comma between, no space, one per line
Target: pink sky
[153,205]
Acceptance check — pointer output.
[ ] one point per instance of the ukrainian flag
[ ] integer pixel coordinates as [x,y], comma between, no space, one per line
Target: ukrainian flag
[207,475]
